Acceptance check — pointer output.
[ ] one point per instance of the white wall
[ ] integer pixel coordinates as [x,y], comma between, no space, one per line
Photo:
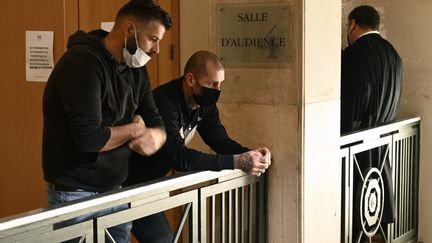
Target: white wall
[321,165]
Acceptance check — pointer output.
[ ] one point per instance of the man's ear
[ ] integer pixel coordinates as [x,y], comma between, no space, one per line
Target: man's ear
[128,29]
[190,79]
[354,23]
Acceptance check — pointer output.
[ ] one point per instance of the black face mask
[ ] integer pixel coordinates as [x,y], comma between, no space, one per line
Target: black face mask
[207,97]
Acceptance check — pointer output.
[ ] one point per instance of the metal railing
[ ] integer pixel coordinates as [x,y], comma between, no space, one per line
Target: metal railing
[380,165]
[229,206]
[226,206]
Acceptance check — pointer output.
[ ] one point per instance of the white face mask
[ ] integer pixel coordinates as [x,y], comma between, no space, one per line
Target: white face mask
[137,60]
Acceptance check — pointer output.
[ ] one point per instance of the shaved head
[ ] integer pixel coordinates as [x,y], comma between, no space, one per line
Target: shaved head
[199,63]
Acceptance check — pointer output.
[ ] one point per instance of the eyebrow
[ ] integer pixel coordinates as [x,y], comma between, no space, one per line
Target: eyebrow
[216,82]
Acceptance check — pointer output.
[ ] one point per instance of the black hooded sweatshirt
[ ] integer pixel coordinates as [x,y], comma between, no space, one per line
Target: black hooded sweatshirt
[87,92]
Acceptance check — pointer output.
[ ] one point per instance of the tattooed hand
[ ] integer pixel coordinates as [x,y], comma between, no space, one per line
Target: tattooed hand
[252,162]
[266,155]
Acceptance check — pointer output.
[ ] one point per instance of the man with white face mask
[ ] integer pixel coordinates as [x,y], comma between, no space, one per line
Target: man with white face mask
[98,107]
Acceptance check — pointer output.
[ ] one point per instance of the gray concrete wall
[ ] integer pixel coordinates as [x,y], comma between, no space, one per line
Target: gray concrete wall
[406,24]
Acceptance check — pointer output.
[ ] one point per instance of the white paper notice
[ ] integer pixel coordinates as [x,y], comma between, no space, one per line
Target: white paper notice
[107,26]
[39,55]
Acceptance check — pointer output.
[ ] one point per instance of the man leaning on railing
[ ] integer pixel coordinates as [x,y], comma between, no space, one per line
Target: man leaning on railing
[188,104]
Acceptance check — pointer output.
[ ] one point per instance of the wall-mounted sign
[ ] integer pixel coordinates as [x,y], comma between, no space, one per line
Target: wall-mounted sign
[253,33]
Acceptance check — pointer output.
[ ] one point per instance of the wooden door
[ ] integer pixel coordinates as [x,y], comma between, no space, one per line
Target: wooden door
[22,187]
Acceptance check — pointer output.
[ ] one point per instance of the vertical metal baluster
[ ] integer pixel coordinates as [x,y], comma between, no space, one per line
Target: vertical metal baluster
[345,202]
[391,227]
[229,216]
[256,210]
[414,183]
[408,186]
[212,218]
[391,159]
[405,179]
[408,218]
[417,168]
[401,195]
[242,215]
[250,208]
[236,215]
[397,163]
[223,219]
[202,217]
[261,210]
[401,178]
[350,203]
[413,171]
[412,198]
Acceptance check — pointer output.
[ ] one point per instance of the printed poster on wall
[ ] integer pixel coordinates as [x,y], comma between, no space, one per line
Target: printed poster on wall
[39,55]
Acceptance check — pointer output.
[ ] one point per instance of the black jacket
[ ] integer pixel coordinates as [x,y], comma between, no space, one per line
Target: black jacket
[88,91]
[179,120]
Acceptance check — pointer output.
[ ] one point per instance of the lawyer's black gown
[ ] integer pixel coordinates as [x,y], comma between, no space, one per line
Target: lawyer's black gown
[371,86]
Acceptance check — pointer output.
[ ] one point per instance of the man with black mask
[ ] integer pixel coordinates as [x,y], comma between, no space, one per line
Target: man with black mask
[188,104]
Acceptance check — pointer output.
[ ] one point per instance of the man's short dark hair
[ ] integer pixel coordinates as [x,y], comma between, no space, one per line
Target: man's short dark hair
[197,63]
[145,11]
[365,16]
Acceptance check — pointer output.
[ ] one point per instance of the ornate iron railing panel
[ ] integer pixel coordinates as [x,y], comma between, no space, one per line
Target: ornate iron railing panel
[379,169]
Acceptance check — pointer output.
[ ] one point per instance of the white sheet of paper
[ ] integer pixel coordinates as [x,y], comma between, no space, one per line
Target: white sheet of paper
[107,26]
[39,55]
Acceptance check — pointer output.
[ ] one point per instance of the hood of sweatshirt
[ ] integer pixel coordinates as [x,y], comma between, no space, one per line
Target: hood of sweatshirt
[91,39]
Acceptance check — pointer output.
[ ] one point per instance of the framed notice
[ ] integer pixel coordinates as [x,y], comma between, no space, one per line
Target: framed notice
[253,33]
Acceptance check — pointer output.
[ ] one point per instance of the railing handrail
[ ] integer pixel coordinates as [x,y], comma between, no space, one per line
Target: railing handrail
[108,199]
[376,132]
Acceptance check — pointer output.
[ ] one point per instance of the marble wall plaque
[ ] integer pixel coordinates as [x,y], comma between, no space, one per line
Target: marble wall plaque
[253,33]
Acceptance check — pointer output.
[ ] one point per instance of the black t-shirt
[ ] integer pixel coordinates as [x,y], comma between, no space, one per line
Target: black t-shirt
[179,121]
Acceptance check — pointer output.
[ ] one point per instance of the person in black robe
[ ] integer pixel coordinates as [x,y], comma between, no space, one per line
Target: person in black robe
[371,82]
[371,87]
